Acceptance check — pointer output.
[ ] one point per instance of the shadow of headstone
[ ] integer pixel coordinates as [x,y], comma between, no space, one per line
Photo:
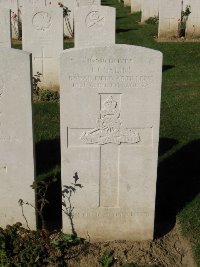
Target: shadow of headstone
[178,183]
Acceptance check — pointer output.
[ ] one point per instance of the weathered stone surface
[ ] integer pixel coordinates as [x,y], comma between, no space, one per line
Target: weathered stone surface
[5,28]
[43,37]
[193,22]
[94,26]
[79,3]
[169,18]
[34,3]
[149,9]
[16,137]
[186,3]
[13,5]
[110,109]
[135,6]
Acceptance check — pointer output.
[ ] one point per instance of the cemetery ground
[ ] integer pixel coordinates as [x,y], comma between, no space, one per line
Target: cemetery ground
[177,223]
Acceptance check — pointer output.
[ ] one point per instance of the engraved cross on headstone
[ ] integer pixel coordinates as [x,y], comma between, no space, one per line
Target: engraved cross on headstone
[43,58]
[109,136]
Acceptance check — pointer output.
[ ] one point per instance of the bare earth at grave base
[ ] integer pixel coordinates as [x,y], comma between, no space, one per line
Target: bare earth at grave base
[169,251]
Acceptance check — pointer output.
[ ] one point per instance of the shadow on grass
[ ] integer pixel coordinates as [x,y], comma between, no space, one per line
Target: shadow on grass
[178,183]
[165,144]
[47,154]
[47,158]
[122,17]
[125,30]
[167,67]
[53,211]
[105,4]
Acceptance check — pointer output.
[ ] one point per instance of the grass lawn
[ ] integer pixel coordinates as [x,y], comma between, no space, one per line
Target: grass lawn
[178,185]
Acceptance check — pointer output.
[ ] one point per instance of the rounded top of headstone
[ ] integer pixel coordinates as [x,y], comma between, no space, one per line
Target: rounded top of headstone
[137,50]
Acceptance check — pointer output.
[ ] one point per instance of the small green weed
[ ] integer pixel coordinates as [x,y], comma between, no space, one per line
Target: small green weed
[107,259]
[152,20]
[22,247]
[184,17]
[43,95]
[48,95]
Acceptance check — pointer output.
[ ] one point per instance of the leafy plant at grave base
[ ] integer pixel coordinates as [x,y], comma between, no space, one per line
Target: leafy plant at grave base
[48,95]
[35,81]
[66,200]
[107,259]
[43,95]
[40,186]
[152,20]
[184,17]
[22,247]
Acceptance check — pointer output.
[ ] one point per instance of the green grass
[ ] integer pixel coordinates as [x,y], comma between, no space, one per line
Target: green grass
[179,168]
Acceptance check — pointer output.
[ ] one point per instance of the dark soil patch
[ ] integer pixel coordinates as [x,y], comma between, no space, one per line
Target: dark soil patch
[169,251]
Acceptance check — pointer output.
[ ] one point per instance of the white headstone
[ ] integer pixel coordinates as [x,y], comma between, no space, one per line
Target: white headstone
[169,18]
[13,5]
[43,37]
[193,22]
[94,26]
[5,28]
[135,6]
[79,3]
[67,5]
[149,9]
[16,137]
[110,109]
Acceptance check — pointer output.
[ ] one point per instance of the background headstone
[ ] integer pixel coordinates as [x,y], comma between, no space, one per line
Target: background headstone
[149,9]
[169,18]
[193,22]
[5,28]
[135,6]
[79,3]
[110,109]
[69,19]
[43,37]
[16,137]
[94,26]
[13,5]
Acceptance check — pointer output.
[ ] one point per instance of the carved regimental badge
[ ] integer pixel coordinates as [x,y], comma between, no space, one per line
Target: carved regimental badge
[110,129]
[42,21]
[94,19]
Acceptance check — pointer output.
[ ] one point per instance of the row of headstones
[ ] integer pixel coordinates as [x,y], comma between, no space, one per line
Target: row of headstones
[43,35]
[169,14]
[109,121]
[17,7]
